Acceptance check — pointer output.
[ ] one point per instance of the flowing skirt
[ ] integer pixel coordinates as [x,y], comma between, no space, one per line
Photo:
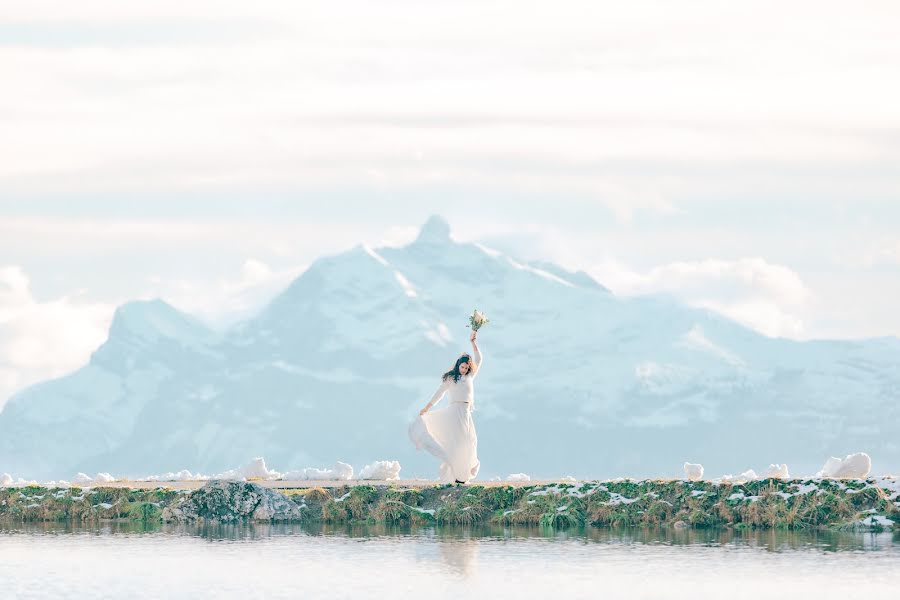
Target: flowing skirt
[448,433]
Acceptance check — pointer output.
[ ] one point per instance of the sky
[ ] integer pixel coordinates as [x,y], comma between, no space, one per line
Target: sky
[742,157]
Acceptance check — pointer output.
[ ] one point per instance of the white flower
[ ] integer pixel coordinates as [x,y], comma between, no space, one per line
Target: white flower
[477,320]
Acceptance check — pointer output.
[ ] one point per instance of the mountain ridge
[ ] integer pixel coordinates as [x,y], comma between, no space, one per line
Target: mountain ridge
[577,380]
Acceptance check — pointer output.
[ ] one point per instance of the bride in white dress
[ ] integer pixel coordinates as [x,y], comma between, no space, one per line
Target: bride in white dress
[449,432]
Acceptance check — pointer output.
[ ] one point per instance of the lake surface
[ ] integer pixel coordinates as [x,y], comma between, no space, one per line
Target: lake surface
[293,561]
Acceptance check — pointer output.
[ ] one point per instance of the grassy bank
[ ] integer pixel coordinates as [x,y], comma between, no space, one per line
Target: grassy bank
[872,504]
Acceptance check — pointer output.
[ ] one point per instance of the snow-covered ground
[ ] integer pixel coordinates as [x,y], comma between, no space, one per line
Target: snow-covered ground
[854,466]
[254,470]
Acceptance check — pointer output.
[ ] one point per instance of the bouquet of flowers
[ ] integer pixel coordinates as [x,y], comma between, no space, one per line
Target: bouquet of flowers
[478,320]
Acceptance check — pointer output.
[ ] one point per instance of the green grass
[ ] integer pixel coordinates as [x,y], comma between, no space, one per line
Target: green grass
[835,504]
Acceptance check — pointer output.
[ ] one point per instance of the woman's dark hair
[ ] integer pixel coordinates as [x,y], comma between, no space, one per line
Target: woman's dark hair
[454,372]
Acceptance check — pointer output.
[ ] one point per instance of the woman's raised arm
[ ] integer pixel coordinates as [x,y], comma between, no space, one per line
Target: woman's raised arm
[476,354]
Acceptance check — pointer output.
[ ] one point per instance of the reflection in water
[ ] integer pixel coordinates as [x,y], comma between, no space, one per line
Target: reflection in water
[460,555]
[461,542]
[373,561]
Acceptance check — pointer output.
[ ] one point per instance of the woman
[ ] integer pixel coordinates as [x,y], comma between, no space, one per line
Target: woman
[449,432]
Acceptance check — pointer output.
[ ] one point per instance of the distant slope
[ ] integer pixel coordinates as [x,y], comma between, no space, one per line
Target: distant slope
[576,380]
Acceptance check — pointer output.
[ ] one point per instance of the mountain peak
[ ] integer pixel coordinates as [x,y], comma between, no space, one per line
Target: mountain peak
[434,230]
[151,319]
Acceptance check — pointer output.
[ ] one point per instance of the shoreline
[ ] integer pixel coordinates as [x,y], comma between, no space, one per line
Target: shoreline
[854,504]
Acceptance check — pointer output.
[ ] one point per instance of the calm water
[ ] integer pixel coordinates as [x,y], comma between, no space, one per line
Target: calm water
[375,562]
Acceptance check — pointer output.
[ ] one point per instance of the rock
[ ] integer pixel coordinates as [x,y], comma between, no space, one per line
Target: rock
[173,513]
[853,466]
[679,525]
[229,501]
[693,472]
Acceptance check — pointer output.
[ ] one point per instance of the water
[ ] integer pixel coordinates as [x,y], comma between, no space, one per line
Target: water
[293,561]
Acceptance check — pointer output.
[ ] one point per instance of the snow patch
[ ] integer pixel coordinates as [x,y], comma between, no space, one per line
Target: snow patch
[489,251]
[62,483]
[81,479]
[340,472]
[853,466]
[805,488]
[382,470]
[748,475]
[255,469]
[615,498]
[539,272]
[183,475]
[408,288]
[104,478]
[368,250]
[877,520]
[891,485]
[693,472]
[777,471]
[695,338]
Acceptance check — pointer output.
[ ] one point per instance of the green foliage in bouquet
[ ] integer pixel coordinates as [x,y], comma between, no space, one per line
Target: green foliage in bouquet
[478,320]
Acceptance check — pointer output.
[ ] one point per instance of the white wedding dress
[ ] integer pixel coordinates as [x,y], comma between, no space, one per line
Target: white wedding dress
[448,432]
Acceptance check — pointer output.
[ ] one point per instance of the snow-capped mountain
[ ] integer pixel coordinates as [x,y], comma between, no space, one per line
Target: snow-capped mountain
[576,380]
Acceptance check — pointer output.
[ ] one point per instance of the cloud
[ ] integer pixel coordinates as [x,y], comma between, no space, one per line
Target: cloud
[107,230]
[884,252]
[223,302]
[400,94]
[770,298]
[40,340]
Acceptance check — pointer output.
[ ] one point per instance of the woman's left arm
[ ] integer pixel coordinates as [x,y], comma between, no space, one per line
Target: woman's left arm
[476,353]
